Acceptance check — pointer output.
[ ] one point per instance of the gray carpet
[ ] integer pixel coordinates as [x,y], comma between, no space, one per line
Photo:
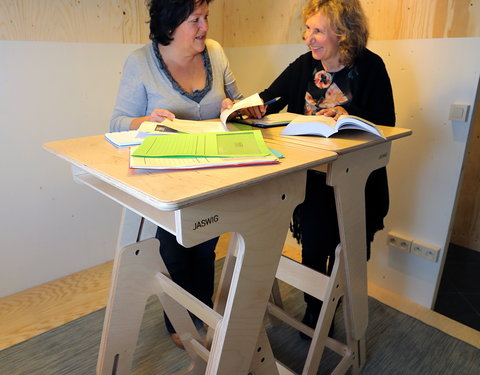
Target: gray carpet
[396,344]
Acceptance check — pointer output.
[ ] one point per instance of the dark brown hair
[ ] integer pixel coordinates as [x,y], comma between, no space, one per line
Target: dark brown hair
[167,15]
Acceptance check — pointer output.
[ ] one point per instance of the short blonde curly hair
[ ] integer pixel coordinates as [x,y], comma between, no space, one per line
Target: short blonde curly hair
[347,20]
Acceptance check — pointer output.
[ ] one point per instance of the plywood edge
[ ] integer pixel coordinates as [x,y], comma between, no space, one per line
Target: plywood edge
[425,315]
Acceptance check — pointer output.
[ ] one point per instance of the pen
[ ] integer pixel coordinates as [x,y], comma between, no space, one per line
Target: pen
[271,101]
[228,95]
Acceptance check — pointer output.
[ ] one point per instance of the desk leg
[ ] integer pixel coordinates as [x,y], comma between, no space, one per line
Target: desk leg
[348,175]
[135,279]
[125,308]
[260,215]
[263,358]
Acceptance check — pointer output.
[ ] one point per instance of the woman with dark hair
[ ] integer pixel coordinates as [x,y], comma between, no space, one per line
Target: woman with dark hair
[180,74]
[339,75]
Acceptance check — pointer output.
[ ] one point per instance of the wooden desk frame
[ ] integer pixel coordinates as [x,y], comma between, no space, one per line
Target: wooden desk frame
[258,212]
[348,175]
[139,273]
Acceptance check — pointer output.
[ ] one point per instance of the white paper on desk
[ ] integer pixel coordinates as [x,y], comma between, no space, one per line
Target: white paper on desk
[123,139]
[251,101]
[183,126]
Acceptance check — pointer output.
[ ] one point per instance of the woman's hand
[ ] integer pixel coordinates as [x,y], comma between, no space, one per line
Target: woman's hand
[158,115]
[334,112]
[226,104]
[257,111]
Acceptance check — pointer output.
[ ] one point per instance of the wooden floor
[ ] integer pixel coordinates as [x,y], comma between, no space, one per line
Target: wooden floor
[39,309]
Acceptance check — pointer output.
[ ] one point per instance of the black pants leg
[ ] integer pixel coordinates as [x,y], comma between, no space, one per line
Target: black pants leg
[319,233]
[191,268]
[318,226]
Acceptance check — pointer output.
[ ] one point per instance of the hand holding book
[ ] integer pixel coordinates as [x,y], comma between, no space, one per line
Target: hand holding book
[334,112]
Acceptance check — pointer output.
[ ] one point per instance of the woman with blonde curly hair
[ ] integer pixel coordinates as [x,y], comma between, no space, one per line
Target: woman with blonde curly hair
[339,75]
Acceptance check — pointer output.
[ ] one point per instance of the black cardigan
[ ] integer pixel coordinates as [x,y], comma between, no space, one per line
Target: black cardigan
[371,89]
[372,99]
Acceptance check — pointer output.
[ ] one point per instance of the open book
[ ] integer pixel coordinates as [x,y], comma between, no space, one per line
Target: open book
[251,101]
[327,126]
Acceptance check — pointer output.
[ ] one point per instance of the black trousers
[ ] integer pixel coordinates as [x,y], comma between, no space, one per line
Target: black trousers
[316,223]
[191,268]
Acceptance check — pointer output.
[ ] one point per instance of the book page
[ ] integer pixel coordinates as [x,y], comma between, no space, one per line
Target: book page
[251,101]
[326,126]
[358,123]
[310,125]
[177,125]
[123,139]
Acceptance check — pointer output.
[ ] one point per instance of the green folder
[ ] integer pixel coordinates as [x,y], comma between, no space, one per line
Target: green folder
[225,144]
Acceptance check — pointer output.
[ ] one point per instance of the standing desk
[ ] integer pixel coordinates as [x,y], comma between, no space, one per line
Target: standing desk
[256,202]
[359,154]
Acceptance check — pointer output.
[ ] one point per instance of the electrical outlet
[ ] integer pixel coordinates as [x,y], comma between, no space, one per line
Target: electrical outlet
[398,241]
[425,250]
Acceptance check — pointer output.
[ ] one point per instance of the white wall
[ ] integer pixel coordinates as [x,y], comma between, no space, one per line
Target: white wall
[50,226]
[427,76]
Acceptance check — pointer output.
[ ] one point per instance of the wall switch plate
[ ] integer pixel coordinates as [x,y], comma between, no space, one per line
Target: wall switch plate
[459,112]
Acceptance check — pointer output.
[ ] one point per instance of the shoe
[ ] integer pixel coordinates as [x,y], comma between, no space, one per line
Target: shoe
[176,340]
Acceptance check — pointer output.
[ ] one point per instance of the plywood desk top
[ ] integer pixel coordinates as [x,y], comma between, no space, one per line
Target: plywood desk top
[175,189]
[345,141]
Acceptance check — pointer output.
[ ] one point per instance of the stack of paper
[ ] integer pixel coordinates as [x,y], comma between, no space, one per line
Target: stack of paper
[202,150]
[147,128]
[124,139]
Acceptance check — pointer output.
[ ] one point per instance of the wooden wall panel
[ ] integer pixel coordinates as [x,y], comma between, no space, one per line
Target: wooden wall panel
[466,227]
[413,19]
[94,21]
[256,23]
[97,21]
[234,23]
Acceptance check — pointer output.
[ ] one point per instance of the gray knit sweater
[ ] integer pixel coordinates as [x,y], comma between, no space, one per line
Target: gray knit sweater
[145,86]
